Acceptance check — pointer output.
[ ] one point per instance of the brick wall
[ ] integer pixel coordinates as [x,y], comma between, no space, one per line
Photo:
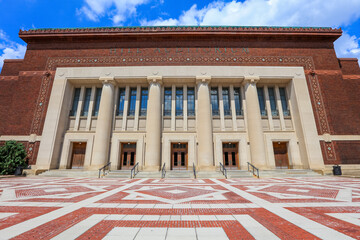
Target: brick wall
[11,67]
[349,66]
[19,93]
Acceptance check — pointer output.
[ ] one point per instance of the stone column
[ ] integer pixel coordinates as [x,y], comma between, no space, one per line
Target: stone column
[254,125]
[204,125]
[153,125]
[103,124]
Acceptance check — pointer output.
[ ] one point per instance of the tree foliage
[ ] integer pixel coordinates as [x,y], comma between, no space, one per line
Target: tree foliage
[12,155]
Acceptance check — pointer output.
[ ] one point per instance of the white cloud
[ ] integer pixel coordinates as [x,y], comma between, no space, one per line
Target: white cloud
[315,13]
[348,46]
[10,49]
[117,10]
[271,13]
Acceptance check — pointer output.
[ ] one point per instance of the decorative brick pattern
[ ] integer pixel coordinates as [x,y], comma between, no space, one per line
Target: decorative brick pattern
[272,208]
[328,150]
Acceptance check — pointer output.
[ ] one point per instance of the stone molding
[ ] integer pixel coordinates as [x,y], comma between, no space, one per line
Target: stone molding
[156,80]
[251,79]
[174,29]
[203,80]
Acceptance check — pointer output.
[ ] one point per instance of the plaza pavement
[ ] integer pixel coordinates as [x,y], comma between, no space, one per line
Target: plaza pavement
[270,208]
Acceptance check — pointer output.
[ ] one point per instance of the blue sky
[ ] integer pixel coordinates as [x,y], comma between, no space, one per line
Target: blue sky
[27,14]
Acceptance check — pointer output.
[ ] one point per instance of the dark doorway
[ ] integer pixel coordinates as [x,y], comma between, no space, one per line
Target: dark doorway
[281,155]
[78,155]
[230,155]
[128,155]
[179,156]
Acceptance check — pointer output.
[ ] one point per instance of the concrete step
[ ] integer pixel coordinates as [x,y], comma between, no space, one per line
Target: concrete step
[289,173]
[208,174]
[70,173]
[143,174]
[239,174]
[118,174]
[179,174]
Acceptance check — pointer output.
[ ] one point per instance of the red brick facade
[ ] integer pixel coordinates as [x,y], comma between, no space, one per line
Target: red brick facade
[334,84]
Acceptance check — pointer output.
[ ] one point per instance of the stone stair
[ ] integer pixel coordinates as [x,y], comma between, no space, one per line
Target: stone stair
[209,174]
[70,173]
[239,174]
[179,174]
[144,174]
[118,174]
[289,173]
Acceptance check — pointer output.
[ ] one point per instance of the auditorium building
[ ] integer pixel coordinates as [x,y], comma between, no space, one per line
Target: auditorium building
[277,97]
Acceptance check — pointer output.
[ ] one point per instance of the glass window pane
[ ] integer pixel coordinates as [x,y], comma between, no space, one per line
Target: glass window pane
[167,102]
[144,100]
[85,110]
[261,97]
[97,101]
[274,111]
[238,102]
[75,102]
[215,101]
[121,102]
[132,102]
[284,103]
[191,101]
[179,101]
[226,101]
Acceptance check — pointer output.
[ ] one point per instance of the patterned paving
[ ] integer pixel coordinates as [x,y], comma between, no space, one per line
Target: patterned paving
[271,208]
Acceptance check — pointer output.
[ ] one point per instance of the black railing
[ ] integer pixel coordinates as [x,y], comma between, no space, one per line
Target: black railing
[254,170]
[104,169]
[223,170]
[134,170]
[163,171]
[194,170]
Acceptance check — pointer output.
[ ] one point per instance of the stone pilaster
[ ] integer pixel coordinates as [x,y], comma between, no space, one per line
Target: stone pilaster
[153,125]
[204,124]
[254,125]
[103,124]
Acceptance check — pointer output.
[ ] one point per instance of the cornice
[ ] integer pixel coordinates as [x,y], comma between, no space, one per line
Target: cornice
[180,30]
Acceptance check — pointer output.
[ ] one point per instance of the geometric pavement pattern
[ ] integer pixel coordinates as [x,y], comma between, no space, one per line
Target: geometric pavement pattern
[269,208]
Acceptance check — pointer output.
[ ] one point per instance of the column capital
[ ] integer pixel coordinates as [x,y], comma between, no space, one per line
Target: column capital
[107,80]
[203,79]
[251,79]
[155,79]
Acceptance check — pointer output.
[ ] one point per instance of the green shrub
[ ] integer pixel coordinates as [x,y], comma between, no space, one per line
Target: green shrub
[12,154]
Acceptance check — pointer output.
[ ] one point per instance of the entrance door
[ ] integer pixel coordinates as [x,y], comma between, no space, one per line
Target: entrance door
[281,155]
[78,155]
[179,156]
[128,155]
[230,155]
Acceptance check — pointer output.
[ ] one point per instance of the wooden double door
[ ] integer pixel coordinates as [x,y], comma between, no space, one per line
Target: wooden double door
[281,155]
[230,155]
[78,155]
[179,156]
[128,156]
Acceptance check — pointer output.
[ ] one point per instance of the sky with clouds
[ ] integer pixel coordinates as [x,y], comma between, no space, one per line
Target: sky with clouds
[27,14]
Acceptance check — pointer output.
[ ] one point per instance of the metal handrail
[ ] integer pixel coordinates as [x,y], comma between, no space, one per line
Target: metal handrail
[163,171]
[194,170]
[253,170]
[134,170]
[103,169]
[223,169]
